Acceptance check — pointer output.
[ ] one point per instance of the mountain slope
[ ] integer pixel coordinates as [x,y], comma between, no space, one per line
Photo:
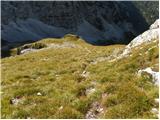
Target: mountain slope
[68,78]
[113,22]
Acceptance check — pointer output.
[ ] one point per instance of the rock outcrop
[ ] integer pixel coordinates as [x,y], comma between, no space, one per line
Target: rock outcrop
[148,36]
[155,75]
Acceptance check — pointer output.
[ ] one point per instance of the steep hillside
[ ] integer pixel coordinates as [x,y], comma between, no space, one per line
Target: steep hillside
[68,78]
[107,21]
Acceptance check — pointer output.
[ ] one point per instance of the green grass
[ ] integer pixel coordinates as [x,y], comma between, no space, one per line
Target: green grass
[56,74]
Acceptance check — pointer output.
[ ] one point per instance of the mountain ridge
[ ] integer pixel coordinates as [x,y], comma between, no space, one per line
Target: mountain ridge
[115,26]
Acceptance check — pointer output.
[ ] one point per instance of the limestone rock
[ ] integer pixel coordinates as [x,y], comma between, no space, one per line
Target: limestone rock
[94,111]
[39,94]
[155,25]
[155,75]
[146,37]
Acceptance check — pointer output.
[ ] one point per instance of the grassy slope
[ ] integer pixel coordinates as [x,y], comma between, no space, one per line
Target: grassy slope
[56,73]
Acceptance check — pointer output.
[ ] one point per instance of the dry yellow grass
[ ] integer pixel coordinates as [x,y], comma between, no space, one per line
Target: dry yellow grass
[56,73]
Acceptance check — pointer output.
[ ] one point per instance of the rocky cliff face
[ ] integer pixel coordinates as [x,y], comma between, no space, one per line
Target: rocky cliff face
[97,22]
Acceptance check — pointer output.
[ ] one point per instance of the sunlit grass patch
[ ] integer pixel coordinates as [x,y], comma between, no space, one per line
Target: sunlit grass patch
[65,91]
